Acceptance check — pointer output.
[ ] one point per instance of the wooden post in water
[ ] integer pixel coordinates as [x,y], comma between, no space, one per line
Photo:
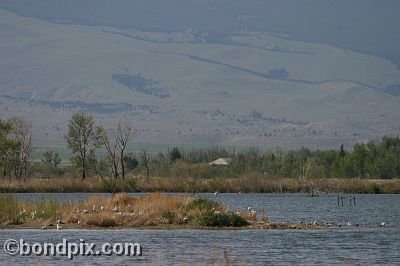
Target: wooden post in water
[341,199]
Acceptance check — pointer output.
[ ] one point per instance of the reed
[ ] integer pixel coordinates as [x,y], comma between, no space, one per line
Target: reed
[9,210]
[252,182]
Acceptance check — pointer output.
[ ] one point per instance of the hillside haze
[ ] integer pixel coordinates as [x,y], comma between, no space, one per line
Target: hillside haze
[264,73]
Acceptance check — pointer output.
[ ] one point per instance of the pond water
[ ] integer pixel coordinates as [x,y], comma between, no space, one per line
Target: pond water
[368,243]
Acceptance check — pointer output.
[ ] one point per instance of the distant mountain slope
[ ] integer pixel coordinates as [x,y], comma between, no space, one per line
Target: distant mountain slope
[368,26]
[253,88]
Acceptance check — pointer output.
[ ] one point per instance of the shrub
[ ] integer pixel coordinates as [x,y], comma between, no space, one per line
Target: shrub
[374,188]
[222,219]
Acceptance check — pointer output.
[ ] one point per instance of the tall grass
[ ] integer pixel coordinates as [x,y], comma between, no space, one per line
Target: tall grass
[252,182]
[9,209]
[48,209]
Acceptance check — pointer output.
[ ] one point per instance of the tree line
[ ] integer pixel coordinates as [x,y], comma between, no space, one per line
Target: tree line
[84,137]
[364,160]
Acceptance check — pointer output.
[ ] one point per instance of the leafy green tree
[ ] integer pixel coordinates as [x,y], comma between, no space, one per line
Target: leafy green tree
[51,158]
[131,162]
[360,155]
[175,154]
[82,139]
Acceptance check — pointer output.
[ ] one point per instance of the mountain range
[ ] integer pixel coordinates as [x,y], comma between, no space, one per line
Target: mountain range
[213,72]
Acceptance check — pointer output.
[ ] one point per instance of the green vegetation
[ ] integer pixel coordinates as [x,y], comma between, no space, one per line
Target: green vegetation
[202,204]
[222,219]
[188,170]
[9,209]
[15,147]
[371,160]
[82,140]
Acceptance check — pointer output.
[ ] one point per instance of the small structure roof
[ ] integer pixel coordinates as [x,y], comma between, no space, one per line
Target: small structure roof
[221,161]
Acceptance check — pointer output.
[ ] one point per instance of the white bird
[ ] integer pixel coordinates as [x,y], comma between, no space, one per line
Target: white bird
[59,227]
[216,193]
[249,208]
[348,224]
[102,208]
[22,212]
[185,220]
[44,227]
[94,208]
[382,224]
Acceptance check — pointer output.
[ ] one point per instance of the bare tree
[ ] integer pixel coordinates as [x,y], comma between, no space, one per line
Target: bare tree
[21,133]
[305,167]
[7,146]
[111,150]
[124,134]
[145,160]
[115,141]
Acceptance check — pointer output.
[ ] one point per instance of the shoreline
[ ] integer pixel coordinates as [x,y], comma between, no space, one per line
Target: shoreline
[254,225]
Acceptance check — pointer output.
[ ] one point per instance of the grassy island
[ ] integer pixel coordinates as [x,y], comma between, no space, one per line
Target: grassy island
[125,211]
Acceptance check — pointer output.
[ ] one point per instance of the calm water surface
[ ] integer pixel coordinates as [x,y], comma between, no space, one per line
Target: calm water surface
[369,243]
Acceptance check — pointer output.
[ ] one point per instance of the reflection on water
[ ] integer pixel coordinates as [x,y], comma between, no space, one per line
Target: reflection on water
[367,244]
[237,247]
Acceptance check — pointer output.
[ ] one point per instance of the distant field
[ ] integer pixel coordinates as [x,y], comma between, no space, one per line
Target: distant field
[134,148]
